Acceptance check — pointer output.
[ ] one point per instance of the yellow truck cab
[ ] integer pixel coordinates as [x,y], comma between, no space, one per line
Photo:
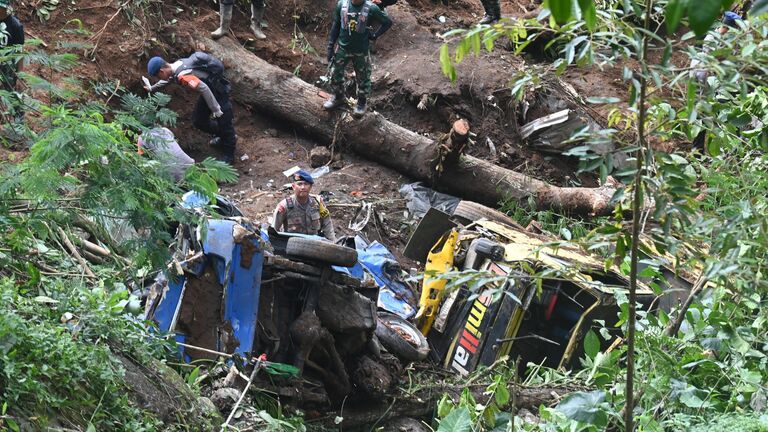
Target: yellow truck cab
[541,300]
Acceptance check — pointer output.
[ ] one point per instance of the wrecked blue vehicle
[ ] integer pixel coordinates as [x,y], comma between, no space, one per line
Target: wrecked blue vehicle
[335,312]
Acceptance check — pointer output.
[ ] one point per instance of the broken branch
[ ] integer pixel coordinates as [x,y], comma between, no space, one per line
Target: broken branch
[73,251]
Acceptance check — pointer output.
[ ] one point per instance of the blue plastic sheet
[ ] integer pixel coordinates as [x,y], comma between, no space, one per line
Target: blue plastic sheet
[394,295]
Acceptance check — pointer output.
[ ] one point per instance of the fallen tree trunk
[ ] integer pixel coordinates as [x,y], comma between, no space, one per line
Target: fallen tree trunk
[268,88]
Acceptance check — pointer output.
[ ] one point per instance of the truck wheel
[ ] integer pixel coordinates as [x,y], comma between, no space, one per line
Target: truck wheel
[467,212]
[401,338]
[320,250]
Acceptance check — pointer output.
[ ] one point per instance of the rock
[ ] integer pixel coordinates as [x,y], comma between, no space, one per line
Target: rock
[528,417]
[207,407]
[224,398]
[319,156]
[271,132]
[405,424]
[159,390]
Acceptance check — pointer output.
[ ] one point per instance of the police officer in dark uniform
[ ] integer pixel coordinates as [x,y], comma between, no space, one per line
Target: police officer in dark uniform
[213,112]
[15,39]
[303,212]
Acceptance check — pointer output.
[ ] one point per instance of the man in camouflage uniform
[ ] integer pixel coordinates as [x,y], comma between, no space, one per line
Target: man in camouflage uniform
[303,212]
[351,30]
[492,11]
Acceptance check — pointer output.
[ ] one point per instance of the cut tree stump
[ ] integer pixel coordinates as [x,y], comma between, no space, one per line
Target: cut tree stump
[267,88]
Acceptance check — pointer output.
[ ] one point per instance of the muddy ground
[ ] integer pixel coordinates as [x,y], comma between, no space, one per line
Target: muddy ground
[406,72]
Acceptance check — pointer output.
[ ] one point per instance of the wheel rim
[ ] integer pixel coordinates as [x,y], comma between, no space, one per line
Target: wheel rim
[408,333]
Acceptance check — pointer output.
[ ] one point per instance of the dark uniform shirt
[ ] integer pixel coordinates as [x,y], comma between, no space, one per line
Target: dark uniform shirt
[350,40]
[11,34]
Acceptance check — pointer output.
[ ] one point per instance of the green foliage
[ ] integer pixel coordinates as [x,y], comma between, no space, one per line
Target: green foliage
[468,415]
[734,423]
[705,217]
[63,319]
[57,361]
[557,224]
[140,113]
[45,8]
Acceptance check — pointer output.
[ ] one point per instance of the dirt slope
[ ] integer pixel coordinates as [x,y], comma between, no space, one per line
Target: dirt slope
[406,72]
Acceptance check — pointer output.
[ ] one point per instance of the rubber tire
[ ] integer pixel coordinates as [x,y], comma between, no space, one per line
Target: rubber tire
[467,212]
[320,250]
[395,343]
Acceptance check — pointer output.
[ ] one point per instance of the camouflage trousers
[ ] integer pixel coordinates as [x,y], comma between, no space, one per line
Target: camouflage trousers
[362,66]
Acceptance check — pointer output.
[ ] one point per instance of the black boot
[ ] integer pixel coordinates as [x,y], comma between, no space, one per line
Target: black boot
[228,158]
[216,142]
[492,11]
[334,102]
[360,108]
[496,9]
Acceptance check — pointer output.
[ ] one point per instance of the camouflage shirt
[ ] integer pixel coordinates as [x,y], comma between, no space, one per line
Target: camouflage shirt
[350,39]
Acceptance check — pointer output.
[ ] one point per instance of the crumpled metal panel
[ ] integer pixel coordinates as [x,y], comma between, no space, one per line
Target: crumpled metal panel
[241,297]
[169,304]
[220,241]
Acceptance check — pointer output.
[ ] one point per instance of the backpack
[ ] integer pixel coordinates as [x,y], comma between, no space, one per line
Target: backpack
[209,64]
[204,62]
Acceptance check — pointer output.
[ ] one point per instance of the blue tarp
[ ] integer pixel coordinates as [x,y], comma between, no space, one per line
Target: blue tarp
[374,259]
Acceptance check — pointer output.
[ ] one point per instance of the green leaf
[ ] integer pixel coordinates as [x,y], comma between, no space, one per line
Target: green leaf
[591,344]
[561,10]
[192,377]
[701,15]
[674,13]
[588,13]
[502,395]
[585,407]
[445,406]
[458,420]
[445,63]
[12,425]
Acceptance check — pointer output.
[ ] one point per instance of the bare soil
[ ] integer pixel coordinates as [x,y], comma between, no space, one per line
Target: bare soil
[406,72]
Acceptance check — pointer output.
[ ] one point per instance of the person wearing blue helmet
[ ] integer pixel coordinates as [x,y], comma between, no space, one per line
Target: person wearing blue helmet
[204,74]
[303,212]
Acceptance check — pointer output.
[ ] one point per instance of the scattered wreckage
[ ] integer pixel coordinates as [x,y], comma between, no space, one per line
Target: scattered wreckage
[240,289]
[513,315]
[340,312]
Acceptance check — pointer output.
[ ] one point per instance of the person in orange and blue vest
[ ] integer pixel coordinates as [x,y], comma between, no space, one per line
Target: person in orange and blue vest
[203,73]
[303,212]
